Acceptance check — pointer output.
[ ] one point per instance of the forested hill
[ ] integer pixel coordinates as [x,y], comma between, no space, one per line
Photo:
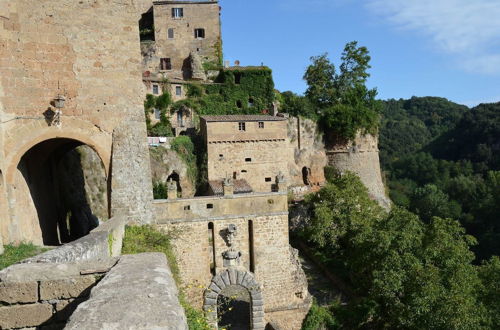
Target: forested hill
[409,125]
[442,159]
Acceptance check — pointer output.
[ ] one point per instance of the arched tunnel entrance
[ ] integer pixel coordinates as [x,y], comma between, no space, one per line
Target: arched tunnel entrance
[67,184]
[176,178]
[233,308]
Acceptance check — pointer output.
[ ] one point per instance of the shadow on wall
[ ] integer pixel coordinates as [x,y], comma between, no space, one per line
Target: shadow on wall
[55,177]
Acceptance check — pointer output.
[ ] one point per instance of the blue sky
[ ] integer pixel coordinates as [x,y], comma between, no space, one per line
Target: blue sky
[447,48]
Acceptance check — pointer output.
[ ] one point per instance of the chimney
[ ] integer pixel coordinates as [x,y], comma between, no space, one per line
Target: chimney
[228,187]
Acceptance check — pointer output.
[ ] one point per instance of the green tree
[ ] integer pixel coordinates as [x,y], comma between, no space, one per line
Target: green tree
[345,103]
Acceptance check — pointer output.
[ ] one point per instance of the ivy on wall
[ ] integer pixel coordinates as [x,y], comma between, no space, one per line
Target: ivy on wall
[246,90]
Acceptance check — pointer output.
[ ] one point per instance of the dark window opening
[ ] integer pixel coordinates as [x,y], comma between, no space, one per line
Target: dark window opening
[237,78]
[250,102]
[187,207]
[241,126]
[261,124]
[170,33]
[156,90]
[165,63]
[306,173]
[269,179]
[211,246]
[199,33]
[210,206]
[250,246]
[235,175]
[221,156]
[146,26]
[178,90]
[243,171]
[248,159]
[175,177]
[239,104]
[177,12]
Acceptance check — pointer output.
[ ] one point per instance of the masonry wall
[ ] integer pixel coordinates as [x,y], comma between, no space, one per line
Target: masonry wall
[257,155]
[276,266]
[361,156]
[196,15]
[89,52]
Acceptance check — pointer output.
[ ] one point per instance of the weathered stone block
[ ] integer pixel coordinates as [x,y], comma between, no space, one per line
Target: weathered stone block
[12,293]
[20,316]
[225,278]
[66,288]
[214,287]
[232,276]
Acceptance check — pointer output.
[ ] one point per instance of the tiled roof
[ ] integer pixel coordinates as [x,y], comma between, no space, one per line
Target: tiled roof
[241,186]
[242,118]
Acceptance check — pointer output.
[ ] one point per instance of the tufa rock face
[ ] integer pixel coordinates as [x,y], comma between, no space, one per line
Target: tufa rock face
[197,71]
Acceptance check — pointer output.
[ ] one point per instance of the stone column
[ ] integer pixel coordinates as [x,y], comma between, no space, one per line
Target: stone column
[131,183]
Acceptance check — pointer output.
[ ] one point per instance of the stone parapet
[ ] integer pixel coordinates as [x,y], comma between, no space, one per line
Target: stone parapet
[138,293]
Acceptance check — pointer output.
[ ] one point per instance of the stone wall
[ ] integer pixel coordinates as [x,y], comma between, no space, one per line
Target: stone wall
[361,156]
[256,154]
[307,152]
[262,231]
[89,52]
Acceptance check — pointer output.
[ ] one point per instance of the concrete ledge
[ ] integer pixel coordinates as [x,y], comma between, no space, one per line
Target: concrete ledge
[138,293]
[103,242]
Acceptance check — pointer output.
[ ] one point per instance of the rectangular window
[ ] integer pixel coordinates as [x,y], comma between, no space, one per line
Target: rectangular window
[177,12]
[170,33]
[178,90]
[241,126]
[165,63]
[157,114]
[187,207]
[210,206]
[199,33]
[261,124]
[248,160]
[156,90]
[269,179]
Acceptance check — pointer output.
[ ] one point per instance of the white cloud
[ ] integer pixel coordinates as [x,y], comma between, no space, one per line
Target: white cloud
[468,29]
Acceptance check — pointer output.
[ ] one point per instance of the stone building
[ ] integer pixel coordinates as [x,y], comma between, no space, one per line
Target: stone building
[70,75]
[238,241]
[182,36]
[249,147]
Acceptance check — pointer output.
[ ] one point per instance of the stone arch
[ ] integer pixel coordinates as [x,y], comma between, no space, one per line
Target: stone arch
[15,157]
[240,278]
[174,176]
[50,184]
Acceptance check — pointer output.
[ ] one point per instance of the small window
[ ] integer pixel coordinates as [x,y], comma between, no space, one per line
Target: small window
[170,33]
[210,206]
[239,104]
[199,33]
[243,171]
[237,78]
[269,179]
[178,90]
[157,114]
[177,12]
[248,159]
[261,124]
[187,207]
[241,126]
[250,102]
[221,156]
[165,64]
[156,90]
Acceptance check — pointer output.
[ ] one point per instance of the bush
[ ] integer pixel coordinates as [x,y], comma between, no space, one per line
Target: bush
[319,318]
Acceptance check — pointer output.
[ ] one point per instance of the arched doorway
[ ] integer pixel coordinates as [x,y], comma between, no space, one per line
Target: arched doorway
[175,177]
[249,300]
[233,308]
[66,186]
